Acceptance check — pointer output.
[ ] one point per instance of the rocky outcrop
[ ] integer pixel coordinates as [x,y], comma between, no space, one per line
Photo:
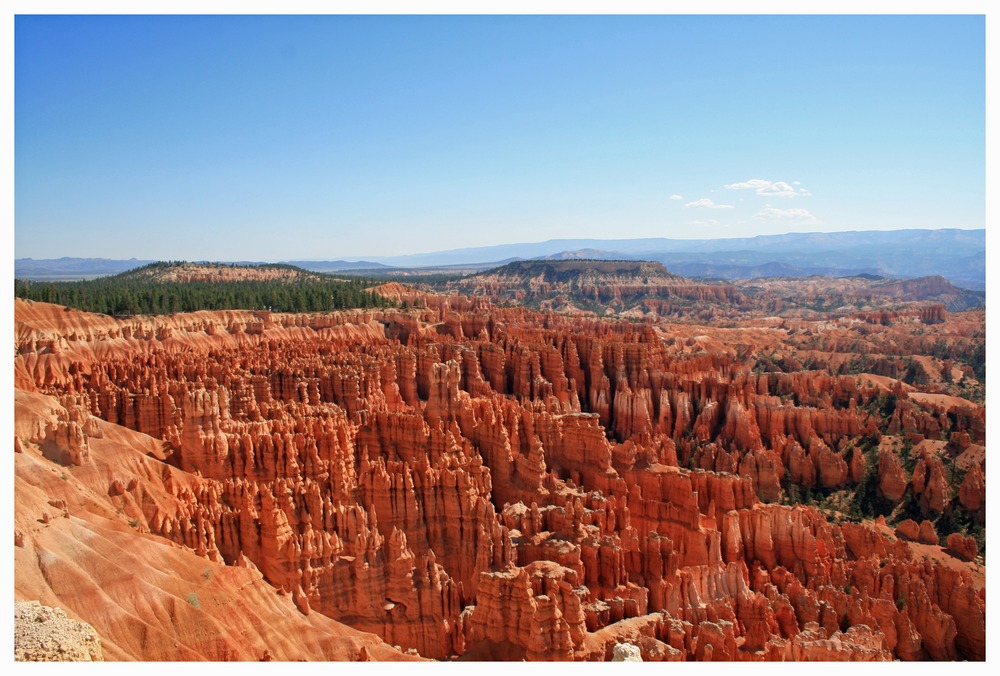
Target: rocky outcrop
[908,530]
[857,644]
[536,611]
[892,481]
[964,546]
[614,284]
[930,484]
[626,652]
[43,634]
[972,492]
[927,534]
[478,484]
[180,600]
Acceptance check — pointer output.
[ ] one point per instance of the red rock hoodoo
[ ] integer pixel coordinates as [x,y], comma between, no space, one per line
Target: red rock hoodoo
[484,483]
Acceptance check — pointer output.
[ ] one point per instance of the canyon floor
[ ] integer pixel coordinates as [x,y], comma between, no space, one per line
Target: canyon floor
[725,473]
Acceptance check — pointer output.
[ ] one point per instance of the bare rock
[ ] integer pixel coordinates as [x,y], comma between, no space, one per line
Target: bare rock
[972,492]
[891,476]
[927,534]
[626,652]
[963,545]
[908,530]
[43,634]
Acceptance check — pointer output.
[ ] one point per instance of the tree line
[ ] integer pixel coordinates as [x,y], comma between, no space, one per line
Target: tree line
[129,294]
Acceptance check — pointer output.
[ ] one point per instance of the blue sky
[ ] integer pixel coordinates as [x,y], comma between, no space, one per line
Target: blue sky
[283,138]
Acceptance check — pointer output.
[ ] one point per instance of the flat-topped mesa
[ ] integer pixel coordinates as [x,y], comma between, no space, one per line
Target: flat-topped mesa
[185,272]
[921,287]
[615,284]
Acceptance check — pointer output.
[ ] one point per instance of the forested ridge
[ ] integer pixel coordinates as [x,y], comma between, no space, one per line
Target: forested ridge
[145,290]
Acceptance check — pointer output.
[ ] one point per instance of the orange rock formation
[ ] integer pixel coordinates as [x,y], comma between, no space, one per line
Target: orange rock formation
[465,481]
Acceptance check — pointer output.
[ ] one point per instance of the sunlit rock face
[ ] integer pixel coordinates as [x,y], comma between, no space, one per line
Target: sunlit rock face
[468,481]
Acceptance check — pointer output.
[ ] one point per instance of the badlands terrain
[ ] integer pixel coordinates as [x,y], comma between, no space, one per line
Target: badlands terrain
[531,463]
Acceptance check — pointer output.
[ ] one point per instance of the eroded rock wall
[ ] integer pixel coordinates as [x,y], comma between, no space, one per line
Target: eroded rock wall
[483,481]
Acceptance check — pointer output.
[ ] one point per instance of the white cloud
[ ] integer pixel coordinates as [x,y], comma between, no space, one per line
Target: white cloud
[708,204]
[711,222]
[800,216]
[770,188]
[677,197]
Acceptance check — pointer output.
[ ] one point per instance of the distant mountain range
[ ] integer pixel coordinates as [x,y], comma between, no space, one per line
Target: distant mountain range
[338,266]
[53,269]
[957,255]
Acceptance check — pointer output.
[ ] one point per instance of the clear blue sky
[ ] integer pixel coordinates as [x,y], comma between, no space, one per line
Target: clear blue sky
[283,138]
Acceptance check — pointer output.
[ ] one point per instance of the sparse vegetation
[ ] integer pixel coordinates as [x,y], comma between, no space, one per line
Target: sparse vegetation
[867,502]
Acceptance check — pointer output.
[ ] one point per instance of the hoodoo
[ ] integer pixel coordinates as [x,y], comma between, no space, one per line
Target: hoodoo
[483,483]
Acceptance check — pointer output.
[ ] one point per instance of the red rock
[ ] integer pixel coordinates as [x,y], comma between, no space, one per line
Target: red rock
[972,492]
[831,469]
[465,480]
[964,546]
[858,467]
[930,485]
[534,610]
[892,481]
[909,530]
[858,644]
[927,534]
[764,469]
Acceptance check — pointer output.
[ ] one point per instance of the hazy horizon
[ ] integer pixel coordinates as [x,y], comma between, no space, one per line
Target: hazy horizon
[374,256]
[350,137]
